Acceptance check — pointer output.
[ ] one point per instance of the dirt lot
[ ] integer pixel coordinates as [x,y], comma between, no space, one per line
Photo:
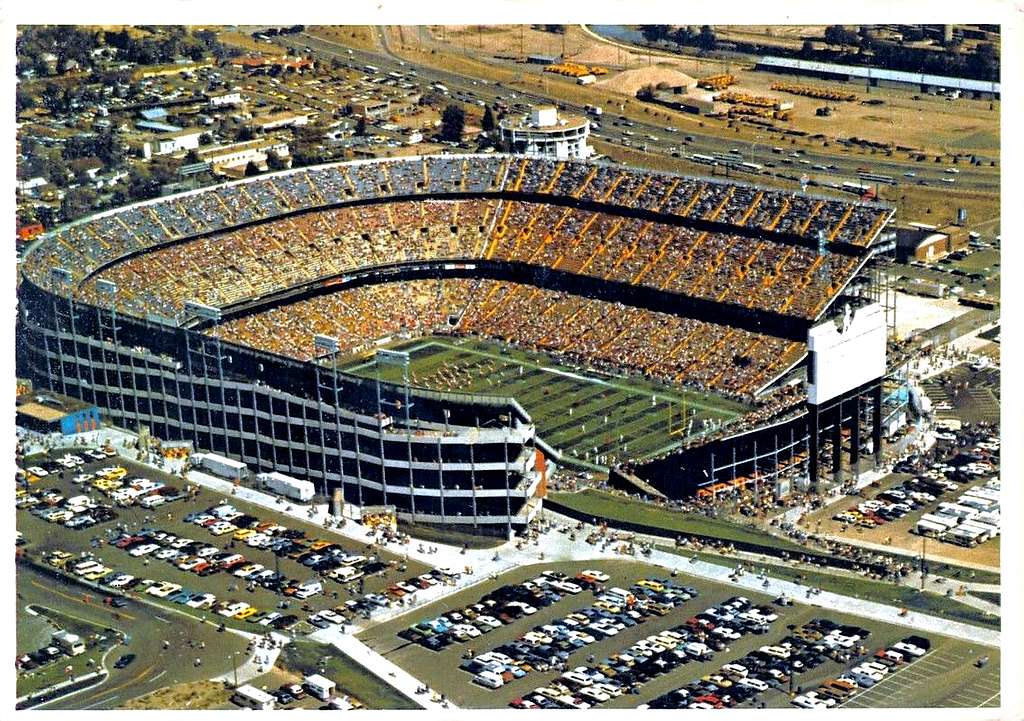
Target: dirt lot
[440,670]
[197,696]
[356,36]
[930,123]
[897,533]
[629,81]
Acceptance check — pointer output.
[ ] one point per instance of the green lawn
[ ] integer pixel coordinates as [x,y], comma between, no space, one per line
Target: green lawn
[989,596]
[617,508]
[305,657]
[611,416]
[56,671]
[858,587]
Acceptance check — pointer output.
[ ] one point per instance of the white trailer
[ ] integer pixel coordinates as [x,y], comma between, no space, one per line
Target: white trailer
[293,488]
[928,528]
[225,467]
[989,530]
[944,521]
[954,509]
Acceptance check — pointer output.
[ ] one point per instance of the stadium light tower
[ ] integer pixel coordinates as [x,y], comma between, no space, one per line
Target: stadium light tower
[329,346]
[400,359]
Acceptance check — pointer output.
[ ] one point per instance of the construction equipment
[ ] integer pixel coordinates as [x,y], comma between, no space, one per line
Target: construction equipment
[716,82]
[575,70]
[759,101]
[814,91]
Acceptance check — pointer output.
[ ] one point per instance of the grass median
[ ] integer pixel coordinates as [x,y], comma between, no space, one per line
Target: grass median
[847,584]
[601,505]
[308,657]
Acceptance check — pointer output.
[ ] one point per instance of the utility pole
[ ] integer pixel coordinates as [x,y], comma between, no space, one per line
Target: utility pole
[924,544]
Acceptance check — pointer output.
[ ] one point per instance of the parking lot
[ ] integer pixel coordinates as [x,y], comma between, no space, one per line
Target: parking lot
[165,528]
[959,464]
[440,669]
[944,677]
[144,628]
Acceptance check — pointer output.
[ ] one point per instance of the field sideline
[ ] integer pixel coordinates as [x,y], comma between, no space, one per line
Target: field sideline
[588,415]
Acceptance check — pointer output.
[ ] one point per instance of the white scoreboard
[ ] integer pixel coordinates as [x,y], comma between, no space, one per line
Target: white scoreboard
[845,353]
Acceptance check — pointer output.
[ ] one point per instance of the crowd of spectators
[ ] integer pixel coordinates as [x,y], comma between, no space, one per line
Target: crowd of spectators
[582,330]
[84,246]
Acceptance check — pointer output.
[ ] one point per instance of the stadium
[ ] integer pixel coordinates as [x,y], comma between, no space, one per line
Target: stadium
[433,333]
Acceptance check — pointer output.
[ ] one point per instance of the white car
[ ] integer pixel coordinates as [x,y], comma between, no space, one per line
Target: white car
[806,702]
[489,679]
[204,601]
[166,554]
[908,648]
[527,608]
[331,617]
[144,549]
[233,609]
[83,478]
[269,618]
[598,576]
[37,471]
[121,581]
[594,694]
[489,621]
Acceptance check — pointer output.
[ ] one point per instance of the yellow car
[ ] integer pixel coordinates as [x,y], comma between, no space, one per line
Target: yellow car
[19,493]
[318,544]
[243,533]
[96,575]
[653,585]
[116,474]
[606,606]
[58,558]
[242,615]
[223,529]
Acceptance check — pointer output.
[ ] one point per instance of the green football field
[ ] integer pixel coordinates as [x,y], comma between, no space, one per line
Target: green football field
[588,415]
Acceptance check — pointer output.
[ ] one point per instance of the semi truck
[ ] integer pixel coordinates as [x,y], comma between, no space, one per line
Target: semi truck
[293,488]
[224,467]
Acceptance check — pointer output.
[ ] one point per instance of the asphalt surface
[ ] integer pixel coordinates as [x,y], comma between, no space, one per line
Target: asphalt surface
[146,628]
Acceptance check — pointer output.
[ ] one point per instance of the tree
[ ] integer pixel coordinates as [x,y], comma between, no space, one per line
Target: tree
[706,39]
[839,35]
[807,49]
[645,93]
[251,169]
[655,33]
[453,120]
[275,161]
[77,202]
[361,126]
[488,121]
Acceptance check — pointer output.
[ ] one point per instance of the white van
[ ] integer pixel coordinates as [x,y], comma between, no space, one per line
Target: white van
[152,501]
[489,679]
[309,588]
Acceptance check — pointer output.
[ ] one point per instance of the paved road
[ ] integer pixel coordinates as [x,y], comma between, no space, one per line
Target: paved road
[703,142]
[147,627]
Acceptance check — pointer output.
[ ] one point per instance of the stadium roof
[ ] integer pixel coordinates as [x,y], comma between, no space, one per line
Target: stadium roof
[859,71]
